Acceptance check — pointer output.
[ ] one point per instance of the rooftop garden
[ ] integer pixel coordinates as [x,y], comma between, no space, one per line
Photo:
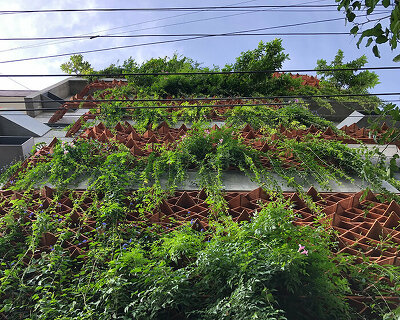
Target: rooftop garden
[131,244]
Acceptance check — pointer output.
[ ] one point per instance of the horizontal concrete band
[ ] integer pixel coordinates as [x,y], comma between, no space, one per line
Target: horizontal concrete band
[238,181]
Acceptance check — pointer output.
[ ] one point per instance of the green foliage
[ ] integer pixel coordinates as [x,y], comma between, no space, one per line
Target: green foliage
[230,271]
[112,112]
[389,32]
[8,171]
[156,65]
[267,56]
[69,163]
[255,270]
[77,65]
[291,116]
[111,168]
[348,79]
[180,246]
[260,59]
[266,268]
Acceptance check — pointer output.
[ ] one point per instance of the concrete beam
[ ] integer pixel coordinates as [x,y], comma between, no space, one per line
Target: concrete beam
[238,181]
[21,125]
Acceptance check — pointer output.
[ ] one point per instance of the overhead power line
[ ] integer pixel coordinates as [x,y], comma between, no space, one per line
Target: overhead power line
[141,23]
[193,106]
[160,26]
[205,8]
[177,35]
[118,75]
[190,106]
[176,40]
[169,41]
[163,107]
[188,99]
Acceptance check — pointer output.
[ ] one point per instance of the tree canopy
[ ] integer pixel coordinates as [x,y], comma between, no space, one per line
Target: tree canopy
[348,79]
[385,30]
[267,57]
[77,65]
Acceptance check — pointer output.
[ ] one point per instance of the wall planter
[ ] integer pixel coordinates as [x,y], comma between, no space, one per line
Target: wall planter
[348,213]
[14,148]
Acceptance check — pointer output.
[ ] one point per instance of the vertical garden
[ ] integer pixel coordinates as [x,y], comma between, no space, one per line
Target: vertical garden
[133,218]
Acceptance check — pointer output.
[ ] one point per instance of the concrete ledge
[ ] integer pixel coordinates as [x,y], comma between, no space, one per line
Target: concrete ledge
[14,149]
[238,181]
[21,125]
[63,89]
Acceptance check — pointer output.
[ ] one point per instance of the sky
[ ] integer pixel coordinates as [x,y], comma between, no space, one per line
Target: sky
[304,51]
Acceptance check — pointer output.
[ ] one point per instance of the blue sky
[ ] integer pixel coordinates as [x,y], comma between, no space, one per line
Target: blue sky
[304,51]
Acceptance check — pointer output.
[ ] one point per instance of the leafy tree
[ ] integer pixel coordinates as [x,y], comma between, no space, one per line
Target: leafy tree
[379,34]
[267,56]
[77,65]
[112,69]
[348,79]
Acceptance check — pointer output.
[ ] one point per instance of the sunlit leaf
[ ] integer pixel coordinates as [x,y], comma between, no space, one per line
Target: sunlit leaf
[354,30]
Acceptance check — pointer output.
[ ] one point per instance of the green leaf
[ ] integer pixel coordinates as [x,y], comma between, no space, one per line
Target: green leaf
[397,58]
[369,42]
[386,3]
[374,32]
[359,41]
[350,16]
[381,39]
[376,51]
[354,30]
[357,4]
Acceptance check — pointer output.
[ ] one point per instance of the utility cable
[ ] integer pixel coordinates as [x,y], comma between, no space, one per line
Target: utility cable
[148,28]
[233,9]
[213,99]
[198,106]
[168,41]
[205,8]
[128,74]
[18,83]
[178,35]
[141,23]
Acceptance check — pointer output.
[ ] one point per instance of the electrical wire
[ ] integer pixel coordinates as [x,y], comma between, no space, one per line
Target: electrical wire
[178,35]
[154,20]
[262,10]
[205,8]
[141,23]
[116,75]
[168,41]
[212,99]
[179,40]
[18,83]
[156,107]
[201,20]
[199,106]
